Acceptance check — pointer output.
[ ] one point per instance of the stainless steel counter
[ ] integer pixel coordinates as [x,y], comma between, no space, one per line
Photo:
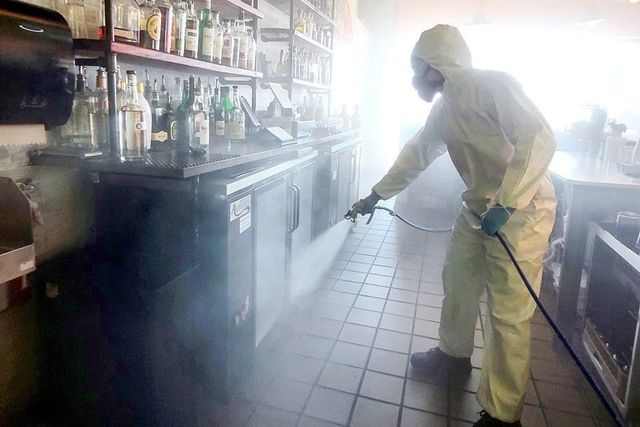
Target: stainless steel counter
[582,170]
[219,157]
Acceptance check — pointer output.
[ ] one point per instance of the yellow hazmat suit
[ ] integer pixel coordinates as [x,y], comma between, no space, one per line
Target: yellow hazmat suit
[501,146]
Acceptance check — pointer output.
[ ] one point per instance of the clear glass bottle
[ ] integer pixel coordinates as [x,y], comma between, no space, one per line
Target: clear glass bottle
[77,132]
[228,45]
[76,17]
[166,25]
[252,50]
[218,38]
[133,126]
[142,101]
[299,23]
[236,44]
[192,33]
[150,25]
[126,21]
[207,33]
[100,130]
[200,117]
[179,28]
[237,120]
[243,41]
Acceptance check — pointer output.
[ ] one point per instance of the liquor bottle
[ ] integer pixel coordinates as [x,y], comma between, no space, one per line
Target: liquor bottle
[226,105]
[126,21]
[299,23]
[77,132]
[228,45]
[218,39]
[76,18]
[251,50]
[179,28]
[133,126]
[166,25]
[183,123]
[170,122]
[235,58]
[158,119]
[150,25]
[218,117]
[207,33]
[164,93]
[243,41]
[280,70]
[192,33]
[236,121]
[100,130]
[148,88]
[142,101]
[200,117]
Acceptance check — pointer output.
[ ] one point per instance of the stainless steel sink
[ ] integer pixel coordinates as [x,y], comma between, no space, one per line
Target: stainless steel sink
[17,252]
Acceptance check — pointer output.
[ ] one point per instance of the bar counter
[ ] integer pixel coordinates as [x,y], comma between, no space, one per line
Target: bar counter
[183,166]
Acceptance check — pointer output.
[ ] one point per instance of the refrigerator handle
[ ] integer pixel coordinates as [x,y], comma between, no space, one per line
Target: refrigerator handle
[292,209]
[296,192]
[353,167]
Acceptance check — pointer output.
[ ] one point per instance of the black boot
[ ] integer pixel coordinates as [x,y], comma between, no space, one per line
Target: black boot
[487,420]
[435,361]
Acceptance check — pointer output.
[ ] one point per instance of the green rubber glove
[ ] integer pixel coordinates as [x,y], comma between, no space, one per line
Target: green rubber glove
[493,219]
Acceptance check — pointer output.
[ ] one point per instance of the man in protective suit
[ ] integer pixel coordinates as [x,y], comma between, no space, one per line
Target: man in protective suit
[501,146]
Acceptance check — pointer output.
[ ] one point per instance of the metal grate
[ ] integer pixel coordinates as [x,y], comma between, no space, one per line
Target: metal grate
[172,160]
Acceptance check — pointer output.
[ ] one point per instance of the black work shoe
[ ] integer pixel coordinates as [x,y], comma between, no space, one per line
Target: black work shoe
[487,420]
[436,361]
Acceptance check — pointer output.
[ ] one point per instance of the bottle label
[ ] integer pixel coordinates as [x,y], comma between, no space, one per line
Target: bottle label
[227,49]
[153,27]
[191,40]
[207,42]
[217,47]
[159,136]
[220,127]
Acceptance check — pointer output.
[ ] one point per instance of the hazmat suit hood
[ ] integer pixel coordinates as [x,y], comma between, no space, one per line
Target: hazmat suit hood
[444,48]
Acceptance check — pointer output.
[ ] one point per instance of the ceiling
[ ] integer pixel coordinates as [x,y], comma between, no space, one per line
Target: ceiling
[613,18]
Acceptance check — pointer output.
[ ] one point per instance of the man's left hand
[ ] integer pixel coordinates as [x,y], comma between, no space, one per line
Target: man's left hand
[493,219]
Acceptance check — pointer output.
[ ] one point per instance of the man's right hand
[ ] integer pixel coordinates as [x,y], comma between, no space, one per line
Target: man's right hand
[363,206]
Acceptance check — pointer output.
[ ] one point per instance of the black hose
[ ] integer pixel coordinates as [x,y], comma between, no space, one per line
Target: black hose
[545,313]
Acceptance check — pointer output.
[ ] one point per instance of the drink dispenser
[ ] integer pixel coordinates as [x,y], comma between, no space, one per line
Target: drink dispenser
[36,65]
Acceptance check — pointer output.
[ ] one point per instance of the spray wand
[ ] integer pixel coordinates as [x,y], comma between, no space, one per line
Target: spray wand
[565,342]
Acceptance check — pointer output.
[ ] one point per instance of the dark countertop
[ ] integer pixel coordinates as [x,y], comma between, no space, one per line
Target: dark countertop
[183,166]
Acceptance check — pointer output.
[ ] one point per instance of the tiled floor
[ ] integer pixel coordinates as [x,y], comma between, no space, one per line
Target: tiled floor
[341,357]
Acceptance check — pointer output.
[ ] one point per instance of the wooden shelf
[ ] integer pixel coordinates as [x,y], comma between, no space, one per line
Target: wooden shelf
[318,12]
[311,85]
[284,5]
[86,48]
[283,34]
[232,8]
[311,43]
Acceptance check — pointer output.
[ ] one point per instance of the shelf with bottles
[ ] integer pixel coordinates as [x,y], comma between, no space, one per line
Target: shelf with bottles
[323,9]
[89,50]
[269,35]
